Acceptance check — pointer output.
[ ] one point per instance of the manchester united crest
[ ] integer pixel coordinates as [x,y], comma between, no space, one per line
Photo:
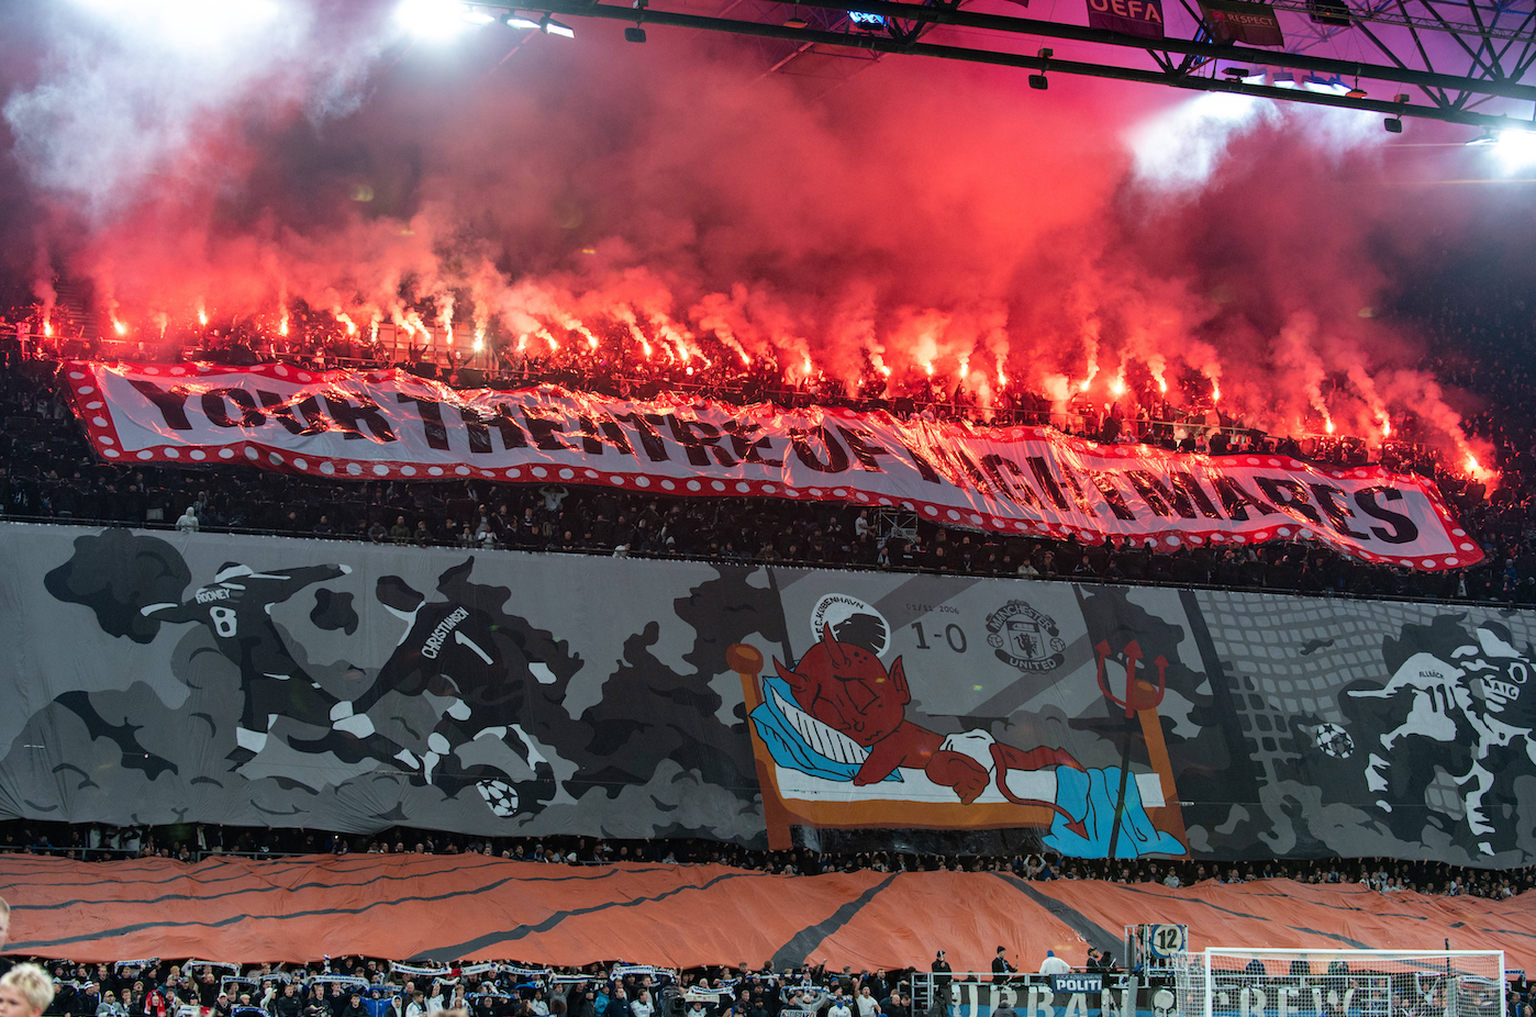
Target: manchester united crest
[1025,638]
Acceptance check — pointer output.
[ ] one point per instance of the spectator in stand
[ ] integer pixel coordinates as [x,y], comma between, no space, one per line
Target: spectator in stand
[1054,965]
[942,979]
[25,991]
[400,533]
[159,1003]
[207,988]
[288,1004]
[187,523]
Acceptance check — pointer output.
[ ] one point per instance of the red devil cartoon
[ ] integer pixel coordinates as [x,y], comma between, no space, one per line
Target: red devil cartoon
[847,688]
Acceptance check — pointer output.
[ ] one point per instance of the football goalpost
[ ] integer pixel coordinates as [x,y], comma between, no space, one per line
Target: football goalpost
[1241,982]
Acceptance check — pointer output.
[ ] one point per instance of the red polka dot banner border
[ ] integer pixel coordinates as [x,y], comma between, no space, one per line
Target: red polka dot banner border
[1029,481]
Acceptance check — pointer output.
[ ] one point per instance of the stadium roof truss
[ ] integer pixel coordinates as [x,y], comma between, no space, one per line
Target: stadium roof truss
[1458,61]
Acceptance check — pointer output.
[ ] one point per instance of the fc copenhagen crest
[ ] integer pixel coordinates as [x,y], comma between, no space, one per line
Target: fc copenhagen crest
[1025,638]
[852,621]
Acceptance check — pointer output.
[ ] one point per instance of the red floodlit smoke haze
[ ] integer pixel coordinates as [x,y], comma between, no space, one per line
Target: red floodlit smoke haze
[602,200]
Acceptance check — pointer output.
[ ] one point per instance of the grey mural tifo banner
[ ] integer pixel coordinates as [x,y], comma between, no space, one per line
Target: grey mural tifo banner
[158,677]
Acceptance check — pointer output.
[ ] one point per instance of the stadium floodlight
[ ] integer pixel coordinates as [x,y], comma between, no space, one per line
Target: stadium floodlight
[549,26]
[432,19]
[1515,149]
[1039,81]
[1317,83]
[1245,75]
[478,16]
[515,20]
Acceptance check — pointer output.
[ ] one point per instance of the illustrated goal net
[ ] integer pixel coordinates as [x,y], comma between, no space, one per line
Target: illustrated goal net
[1236,982]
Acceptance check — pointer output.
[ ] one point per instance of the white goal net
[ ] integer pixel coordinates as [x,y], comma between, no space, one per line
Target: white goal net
[1235,982]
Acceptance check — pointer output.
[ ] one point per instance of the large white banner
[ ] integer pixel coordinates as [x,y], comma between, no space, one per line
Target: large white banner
[1024,480]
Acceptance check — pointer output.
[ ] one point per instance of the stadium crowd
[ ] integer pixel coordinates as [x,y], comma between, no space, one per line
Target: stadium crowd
[48,473]
[355,986]
[190,843]
[367,987]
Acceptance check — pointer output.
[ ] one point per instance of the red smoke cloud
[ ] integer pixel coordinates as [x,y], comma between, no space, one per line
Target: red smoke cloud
[937,221]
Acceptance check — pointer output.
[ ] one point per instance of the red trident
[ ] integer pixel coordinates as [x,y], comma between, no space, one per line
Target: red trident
[1139,693]
[1140,700]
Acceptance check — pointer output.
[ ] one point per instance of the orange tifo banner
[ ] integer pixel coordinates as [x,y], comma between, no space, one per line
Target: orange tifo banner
[1024,480]
[472,907]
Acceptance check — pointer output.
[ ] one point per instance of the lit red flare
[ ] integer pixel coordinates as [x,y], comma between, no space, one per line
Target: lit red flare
[729,352]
